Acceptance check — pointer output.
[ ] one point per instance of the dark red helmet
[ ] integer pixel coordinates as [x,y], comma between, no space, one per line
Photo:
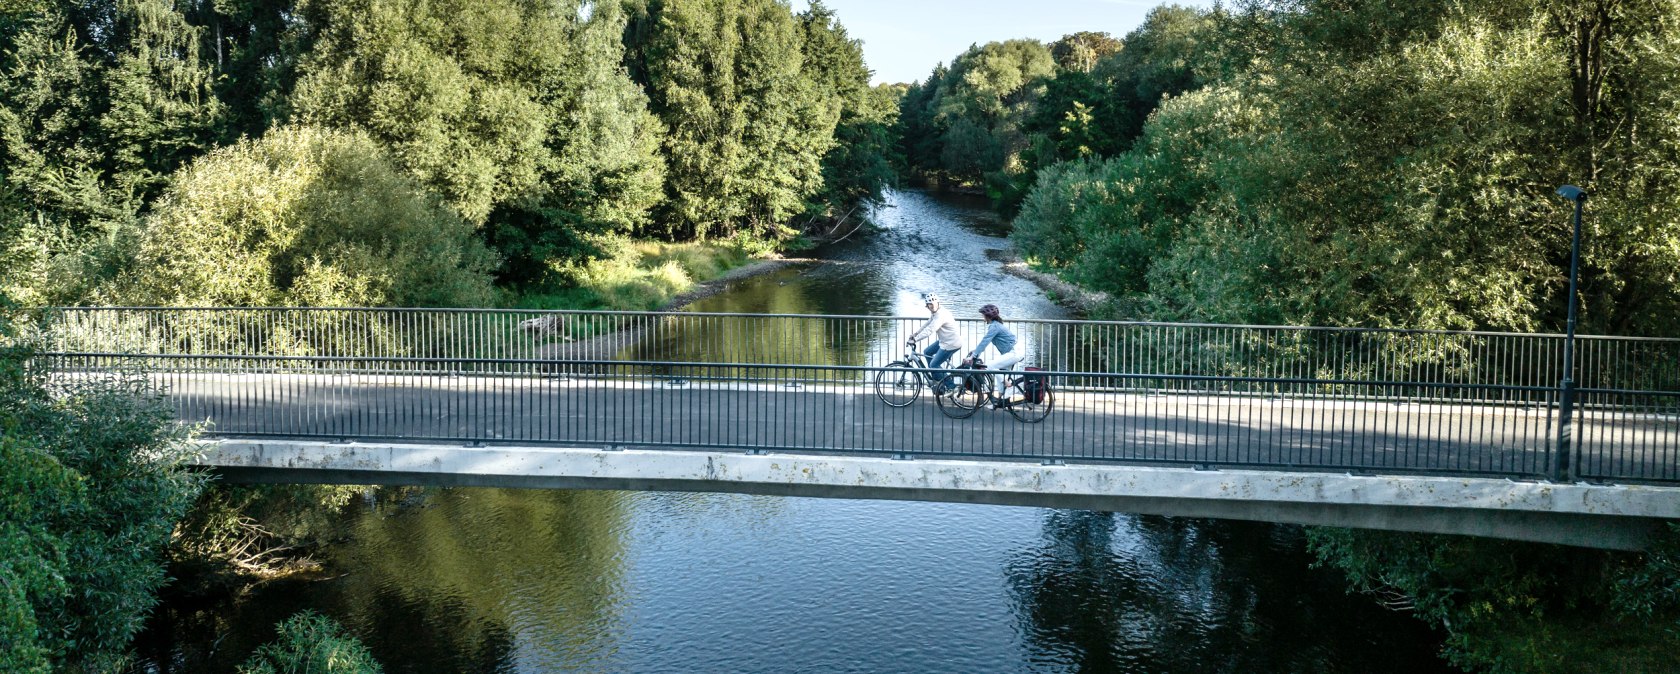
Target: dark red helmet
[990,311]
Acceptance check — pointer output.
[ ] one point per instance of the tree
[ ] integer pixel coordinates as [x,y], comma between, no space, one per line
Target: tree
[305,217]
[1081,51]
[918,136]
[1399,169]
[864,160]
[1521,607]
[161,110]
[857,166]
[748,124]
[1382,164]
[988,91]
[604,174]
[99,104]
[445,87]
[1175,50]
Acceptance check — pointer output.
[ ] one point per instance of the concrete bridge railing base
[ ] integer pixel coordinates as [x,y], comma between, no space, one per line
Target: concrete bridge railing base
[1600,516]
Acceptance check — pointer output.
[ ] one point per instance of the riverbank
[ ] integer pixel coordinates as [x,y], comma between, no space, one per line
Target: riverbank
[655,275]
[1086,303]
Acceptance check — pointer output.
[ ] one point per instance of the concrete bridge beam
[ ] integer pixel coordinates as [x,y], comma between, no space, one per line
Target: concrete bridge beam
[1599,516]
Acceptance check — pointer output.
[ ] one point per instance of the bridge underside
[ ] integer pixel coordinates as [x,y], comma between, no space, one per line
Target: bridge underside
[1599,516]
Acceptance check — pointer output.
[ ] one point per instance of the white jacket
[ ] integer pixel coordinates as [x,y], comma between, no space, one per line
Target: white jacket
[944,326]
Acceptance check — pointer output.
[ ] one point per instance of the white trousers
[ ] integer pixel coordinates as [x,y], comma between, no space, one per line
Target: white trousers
[1004,362]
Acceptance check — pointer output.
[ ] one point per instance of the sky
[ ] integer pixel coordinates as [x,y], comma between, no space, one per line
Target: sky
[903,39]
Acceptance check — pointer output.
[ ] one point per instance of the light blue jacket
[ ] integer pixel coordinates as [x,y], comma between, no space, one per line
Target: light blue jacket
[998,336]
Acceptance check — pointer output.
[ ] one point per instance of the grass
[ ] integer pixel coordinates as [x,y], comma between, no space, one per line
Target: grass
[641,275]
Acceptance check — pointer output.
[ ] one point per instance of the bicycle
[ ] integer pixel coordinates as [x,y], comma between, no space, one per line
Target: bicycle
[901,381]
[1029,398]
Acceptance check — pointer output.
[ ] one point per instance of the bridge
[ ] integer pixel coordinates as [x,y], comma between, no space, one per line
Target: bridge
[1433,431]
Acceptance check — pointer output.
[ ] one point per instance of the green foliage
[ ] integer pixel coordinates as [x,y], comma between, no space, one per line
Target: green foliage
[1176,49]
[1370,164]
[858,166]
[305,217]
[1098,109]
[100,105]
[969,150]
[50,96]
[97,108]
[522,118]
[161,111]
[964,124]
[1651,590]
[1112,223]
[1081,51]
[918,136]
[91,483]
[1519,607]
[749,118]
[30,554]
[310,643]
[604,173]
[862,163]
[438,84]
[989,82]
[1006,110]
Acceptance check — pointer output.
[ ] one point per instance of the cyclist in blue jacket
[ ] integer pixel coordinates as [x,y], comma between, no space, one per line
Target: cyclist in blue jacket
[1003,339]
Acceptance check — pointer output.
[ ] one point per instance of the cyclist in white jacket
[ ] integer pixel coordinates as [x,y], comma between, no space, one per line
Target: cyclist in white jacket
[943,326]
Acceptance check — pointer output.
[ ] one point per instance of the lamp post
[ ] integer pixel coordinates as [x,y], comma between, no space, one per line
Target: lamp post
[1566,399]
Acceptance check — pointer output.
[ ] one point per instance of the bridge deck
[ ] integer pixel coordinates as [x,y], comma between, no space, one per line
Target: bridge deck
[1199,429]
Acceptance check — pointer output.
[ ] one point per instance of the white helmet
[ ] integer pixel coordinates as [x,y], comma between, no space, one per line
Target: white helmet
[929,298]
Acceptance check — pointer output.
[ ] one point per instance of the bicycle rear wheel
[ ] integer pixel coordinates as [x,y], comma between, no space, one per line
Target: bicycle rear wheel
[1027,411]
[898,385]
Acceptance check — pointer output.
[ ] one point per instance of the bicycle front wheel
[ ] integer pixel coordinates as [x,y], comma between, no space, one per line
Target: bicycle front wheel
[897,385]
[963,399]
[1030,412]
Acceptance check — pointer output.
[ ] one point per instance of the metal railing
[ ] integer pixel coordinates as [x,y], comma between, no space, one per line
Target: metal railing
[1321,398]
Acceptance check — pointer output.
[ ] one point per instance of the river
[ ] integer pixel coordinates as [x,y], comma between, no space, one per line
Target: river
[495,580]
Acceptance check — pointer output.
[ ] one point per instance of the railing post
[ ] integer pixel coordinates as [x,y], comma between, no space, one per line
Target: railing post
[1566,411]
[1561,472]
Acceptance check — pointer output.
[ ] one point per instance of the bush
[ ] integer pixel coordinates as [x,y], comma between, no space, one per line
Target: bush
[91,484]
[310,643]
[305,217]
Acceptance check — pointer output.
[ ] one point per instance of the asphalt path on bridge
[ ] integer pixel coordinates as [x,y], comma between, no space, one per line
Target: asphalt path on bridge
[1198,429]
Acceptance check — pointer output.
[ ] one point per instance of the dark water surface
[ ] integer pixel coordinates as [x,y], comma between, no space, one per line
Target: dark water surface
[489,580]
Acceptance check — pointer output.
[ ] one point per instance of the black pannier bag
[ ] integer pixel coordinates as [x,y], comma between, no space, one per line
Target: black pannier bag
[973,383]
[1033,386]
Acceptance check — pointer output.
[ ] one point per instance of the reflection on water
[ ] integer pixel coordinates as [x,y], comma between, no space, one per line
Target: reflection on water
[485,580]
[1106,592]
[442,580]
